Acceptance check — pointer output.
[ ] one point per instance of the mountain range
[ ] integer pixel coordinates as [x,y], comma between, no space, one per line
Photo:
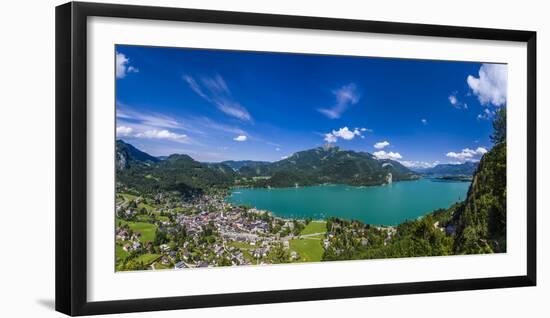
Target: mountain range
[478,223]
[463,169]
[127,155]
[144,172]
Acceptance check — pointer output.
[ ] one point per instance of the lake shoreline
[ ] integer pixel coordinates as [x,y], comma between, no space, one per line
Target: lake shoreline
[336,184]
[383,205]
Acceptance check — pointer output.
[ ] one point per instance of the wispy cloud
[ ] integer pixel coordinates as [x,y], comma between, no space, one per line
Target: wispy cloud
[491,85]
[195,87]
[215,91]
[163,134]
[139,131]
[123,66]
[424,121]
[151,119]
[143,125]
[214,126]
[345,96]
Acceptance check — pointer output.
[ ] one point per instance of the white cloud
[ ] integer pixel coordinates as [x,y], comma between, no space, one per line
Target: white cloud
[424,121]
[215,91]
[342,133]
[345,133]
[345,96]
[277,149]
[163,134]
[135,124]
[481,150]
[487,114]
[418,164]
[491,85]
[387,155]
[453,100]
[240,138]
[330,138]
[362,130]
[123,66]
[124,131]
[381,144]
[467,154]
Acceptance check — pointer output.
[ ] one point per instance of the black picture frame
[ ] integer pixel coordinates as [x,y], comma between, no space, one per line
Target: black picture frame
[71,157]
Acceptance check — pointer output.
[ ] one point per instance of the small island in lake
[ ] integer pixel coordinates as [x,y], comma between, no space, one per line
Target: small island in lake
[229,158]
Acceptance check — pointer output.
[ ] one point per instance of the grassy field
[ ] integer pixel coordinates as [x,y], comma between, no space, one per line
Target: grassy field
[159,265]
[309,249]
[147,258]
[148,218]
[129,197]
[315,227]
[147,230]
[119,252]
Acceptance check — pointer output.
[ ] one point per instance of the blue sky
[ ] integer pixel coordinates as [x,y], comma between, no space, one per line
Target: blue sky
[217,105]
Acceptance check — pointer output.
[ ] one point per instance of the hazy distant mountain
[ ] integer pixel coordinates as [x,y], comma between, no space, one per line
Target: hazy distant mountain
[238,164]
[466,169]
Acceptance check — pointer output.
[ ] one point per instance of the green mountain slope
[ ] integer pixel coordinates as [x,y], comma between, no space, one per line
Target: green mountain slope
[329,165]
[136,169]
[127,155]
[474,226]
[176,173]
[481,223]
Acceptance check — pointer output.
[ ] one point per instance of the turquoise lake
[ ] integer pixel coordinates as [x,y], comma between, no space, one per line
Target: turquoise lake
[383,205]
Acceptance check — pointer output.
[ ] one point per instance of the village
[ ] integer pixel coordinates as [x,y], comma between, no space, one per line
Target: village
[166,232]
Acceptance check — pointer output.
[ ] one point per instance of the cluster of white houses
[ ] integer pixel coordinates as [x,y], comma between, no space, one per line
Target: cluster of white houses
[237,233]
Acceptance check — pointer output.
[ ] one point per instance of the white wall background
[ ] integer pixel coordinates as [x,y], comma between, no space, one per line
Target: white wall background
[27,158]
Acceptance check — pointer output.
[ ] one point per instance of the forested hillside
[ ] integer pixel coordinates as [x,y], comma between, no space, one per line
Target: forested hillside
[474,226]
[145,173]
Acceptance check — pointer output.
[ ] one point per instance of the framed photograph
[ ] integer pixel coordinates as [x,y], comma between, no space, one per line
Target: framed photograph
[209,158]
